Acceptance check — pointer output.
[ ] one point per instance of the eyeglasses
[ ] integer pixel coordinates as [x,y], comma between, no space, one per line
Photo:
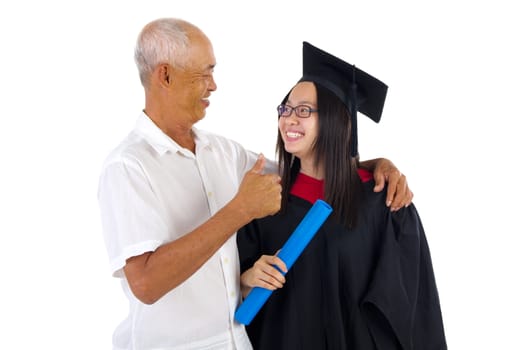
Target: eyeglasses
[302,111]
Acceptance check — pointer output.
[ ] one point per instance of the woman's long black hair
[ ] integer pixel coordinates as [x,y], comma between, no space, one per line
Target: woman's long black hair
[332,150]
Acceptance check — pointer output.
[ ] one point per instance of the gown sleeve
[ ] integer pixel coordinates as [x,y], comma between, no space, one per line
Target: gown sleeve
[248,245]
[402,304]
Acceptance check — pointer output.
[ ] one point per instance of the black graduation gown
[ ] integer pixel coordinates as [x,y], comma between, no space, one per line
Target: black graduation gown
[368,288]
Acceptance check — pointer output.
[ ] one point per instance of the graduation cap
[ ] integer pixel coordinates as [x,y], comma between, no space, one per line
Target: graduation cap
[358,90]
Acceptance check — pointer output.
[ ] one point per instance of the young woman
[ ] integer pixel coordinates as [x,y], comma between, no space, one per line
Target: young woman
[365,281]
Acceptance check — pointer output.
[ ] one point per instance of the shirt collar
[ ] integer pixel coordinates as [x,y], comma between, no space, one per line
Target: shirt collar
[160,141]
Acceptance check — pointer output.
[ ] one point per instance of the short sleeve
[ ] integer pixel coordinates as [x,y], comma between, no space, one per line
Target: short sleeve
[130,221]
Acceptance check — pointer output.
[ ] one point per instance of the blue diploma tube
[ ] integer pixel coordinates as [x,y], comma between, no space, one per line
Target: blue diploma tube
[291,250]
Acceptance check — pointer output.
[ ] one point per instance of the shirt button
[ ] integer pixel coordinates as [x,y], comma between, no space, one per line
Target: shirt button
[210,194]
[226,260]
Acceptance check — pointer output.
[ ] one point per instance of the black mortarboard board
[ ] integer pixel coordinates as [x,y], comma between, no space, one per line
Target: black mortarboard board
[359,91]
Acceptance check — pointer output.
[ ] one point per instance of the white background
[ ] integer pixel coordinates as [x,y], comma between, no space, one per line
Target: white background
[453,123]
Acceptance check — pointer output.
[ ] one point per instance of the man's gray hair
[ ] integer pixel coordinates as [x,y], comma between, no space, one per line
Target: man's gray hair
[164,40]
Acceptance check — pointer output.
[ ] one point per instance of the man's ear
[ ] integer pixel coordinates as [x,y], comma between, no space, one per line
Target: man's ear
[164,74]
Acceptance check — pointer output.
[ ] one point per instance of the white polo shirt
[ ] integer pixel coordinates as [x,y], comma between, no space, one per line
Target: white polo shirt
[151,192]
